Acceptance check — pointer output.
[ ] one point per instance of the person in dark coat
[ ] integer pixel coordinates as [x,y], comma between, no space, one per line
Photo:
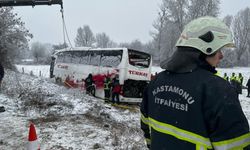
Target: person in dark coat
[240,83]
[116,89]
[2,108]
[89,85]
[1,73]
[248,87]
[189,107]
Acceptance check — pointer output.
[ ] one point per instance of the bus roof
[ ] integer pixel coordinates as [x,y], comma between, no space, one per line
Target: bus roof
[93,49]
[86,49]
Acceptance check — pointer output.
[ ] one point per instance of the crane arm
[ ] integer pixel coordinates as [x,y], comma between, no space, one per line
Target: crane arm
[29,2]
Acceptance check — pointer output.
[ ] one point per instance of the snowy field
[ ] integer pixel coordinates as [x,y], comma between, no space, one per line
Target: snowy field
[68,119]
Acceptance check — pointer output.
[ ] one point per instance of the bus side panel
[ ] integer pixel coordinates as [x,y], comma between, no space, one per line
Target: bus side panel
[78,72]
[138,74]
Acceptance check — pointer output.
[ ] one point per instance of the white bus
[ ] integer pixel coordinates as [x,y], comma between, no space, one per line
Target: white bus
[133,68]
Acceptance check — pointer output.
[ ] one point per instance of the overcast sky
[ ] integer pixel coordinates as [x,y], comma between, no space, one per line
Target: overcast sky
[121,20]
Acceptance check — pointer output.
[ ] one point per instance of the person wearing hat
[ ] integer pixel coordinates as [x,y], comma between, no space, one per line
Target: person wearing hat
[187,106]
[116,89]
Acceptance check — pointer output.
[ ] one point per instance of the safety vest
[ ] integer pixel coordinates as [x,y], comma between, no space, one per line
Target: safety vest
[233,78]
[225,77]
[107,85]
[240,79]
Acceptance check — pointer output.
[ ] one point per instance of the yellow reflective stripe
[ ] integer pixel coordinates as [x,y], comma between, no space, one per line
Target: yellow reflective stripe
[180,133]
[148,141]
[144,119]
[217,74]
[233,144]
[200,147]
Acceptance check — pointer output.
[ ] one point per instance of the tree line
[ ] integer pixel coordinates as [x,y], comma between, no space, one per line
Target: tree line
[173,15]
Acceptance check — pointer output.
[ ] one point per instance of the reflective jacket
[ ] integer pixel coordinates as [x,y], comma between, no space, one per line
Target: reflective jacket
[193,111]
[107,84]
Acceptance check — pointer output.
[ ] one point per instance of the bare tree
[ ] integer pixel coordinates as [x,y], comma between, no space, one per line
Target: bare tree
[38,50]
[84,37]
[159,29]
[136,44]
[241,32]
[173,16]
[228,20]
[59,46]
[13,36]
[176,12]
[198,8]
[102,40]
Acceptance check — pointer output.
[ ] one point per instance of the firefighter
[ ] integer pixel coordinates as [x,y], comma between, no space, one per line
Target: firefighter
[2,108]
[240,82]
[240,78]
[226,77]
[1,74]
[248,87]
[188,107]
[116,89]
[89,85]
[107,88]
[234,82]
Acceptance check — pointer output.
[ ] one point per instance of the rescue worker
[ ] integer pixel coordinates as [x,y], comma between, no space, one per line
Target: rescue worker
[226,77]
[240,82]
[89,85]
[1,74]
[240,78]
[116,89]
[107,88]
[188,107]
[234,82]
[248,87]
[2,108]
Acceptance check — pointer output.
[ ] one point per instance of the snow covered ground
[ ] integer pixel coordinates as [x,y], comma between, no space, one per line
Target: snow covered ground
[68,119]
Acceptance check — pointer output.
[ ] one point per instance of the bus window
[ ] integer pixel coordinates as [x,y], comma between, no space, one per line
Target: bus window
[84,57]
[60,57]
[111,58]
[76,57]
[139,59]
[95,57]
[67,57]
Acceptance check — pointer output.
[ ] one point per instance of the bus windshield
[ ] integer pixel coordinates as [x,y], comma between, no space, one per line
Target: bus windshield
[139,59]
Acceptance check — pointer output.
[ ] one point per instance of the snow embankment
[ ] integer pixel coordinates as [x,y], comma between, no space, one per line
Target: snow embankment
[64,118]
